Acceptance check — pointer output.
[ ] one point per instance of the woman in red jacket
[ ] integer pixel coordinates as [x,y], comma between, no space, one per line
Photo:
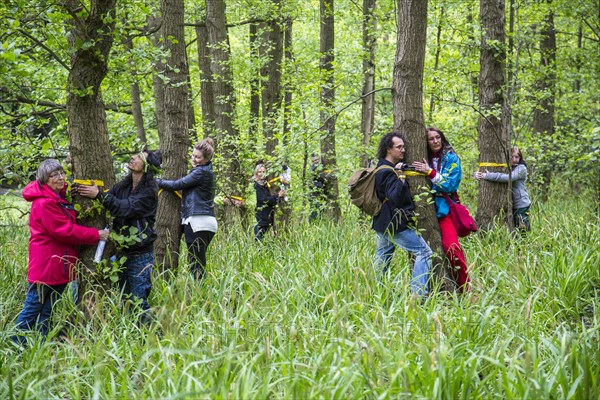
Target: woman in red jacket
[53,241]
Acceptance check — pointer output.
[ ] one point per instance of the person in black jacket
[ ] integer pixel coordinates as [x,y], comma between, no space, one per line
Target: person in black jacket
[265,203]
[394,225]
[132,203]
[198,202]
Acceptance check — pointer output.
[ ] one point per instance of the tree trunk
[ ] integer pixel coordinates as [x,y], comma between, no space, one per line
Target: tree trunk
[136,102]
[494,198]
[543,114]
[86,127]
[174,141]
[438,50]
[328,152]
[271,95]
[407,97]
[158,86]
[207,98]
[231,179]
[255,83]
[368,97]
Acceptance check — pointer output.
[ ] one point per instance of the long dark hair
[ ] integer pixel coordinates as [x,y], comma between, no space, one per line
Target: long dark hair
[446,146]
[387,142]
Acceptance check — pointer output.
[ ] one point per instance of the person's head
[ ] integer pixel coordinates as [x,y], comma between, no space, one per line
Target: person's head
[517,157]
[391,147]
[259,172]
[436,141]
[315,158]
[145,161]
[51,173]
[203,152]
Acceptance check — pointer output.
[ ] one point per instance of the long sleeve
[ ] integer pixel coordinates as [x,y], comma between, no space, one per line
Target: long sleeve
[519,173]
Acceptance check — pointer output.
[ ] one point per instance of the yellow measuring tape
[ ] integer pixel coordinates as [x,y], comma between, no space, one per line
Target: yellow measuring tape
[413,173]
[177,192]
[88,182]
[491,164]
[236,198]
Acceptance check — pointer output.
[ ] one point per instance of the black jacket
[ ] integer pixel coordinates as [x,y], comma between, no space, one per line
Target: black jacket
[133,210]
[198,191]
[265,205]
[397,211]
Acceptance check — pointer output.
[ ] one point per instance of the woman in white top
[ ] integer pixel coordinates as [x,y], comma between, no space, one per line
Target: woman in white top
[198,202]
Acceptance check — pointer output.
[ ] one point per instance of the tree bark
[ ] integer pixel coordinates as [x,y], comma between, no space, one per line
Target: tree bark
[255,84]
[271,95]
[136,102]
[328,152]
[86,127]
[231,179]
[158,86]
[543,114]
[368,97]
[207,98]
[407,97]
[494,198]
[174,141]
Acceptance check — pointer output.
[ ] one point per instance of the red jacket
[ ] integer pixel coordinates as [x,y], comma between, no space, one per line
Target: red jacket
[54,236]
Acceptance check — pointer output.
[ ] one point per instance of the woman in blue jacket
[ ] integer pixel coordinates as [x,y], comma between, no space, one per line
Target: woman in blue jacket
[198,202]
[443,169]
[520,195]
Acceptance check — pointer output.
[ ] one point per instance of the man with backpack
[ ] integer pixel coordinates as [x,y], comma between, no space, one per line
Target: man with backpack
[394,224]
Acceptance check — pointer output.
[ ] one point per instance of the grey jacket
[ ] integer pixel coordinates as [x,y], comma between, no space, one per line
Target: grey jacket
[519,191]
[198,191]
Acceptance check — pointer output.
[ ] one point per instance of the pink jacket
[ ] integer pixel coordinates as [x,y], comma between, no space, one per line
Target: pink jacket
[54,236]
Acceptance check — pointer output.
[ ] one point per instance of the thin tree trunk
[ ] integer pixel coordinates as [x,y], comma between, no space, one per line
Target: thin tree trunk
[368,100]
[543,115]
[494,198]
[207,97]
[158,86]
[328,152]
[174,141]
[255,84]
[136,102]
[438,51]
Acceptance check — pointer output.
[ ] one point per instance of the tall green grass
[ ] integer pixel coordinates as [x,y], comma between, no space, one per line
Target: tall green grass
[302,316]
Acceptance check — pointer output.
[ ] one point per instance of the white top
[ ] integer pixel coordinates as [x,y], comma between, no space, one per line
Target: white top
[201,223]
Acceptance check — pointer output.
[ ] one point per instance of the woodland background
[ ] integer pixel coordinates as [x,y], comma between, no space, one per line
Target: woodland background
[278,80]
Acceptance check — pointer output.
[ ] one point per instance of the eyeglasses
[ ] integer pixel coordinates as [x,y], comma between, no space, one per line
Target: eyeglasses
[58,175]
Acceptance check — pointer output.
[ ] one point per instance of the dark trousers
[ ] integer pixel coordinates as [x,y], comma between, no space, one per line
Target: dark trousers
[259,231]
[37,310]
[197,244]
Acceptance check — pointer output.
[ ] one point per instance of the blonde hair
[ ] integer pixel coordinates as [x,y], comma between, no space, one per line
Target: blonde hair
[207,148]
[258,166]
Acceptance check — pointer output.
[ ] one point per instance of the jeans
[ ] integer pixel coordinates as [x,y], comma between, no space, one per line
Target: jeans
[38,307]
[197,244]
[136,278]
[259,232]
[416,246]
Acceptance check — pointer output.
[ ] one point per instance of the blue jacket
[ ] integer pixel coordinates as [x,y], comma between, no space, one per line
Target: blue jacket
[450,173]
[397,210]
[198,191]
[519,191]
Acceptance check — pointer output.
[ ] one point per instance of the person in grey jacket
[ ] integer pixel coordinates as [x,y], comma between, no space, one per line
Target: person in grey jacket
[198,202]
[521,201]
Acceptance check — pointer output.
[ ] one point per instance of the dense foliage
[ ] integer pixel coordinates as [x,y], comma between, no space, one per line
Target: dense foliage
[34,61]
